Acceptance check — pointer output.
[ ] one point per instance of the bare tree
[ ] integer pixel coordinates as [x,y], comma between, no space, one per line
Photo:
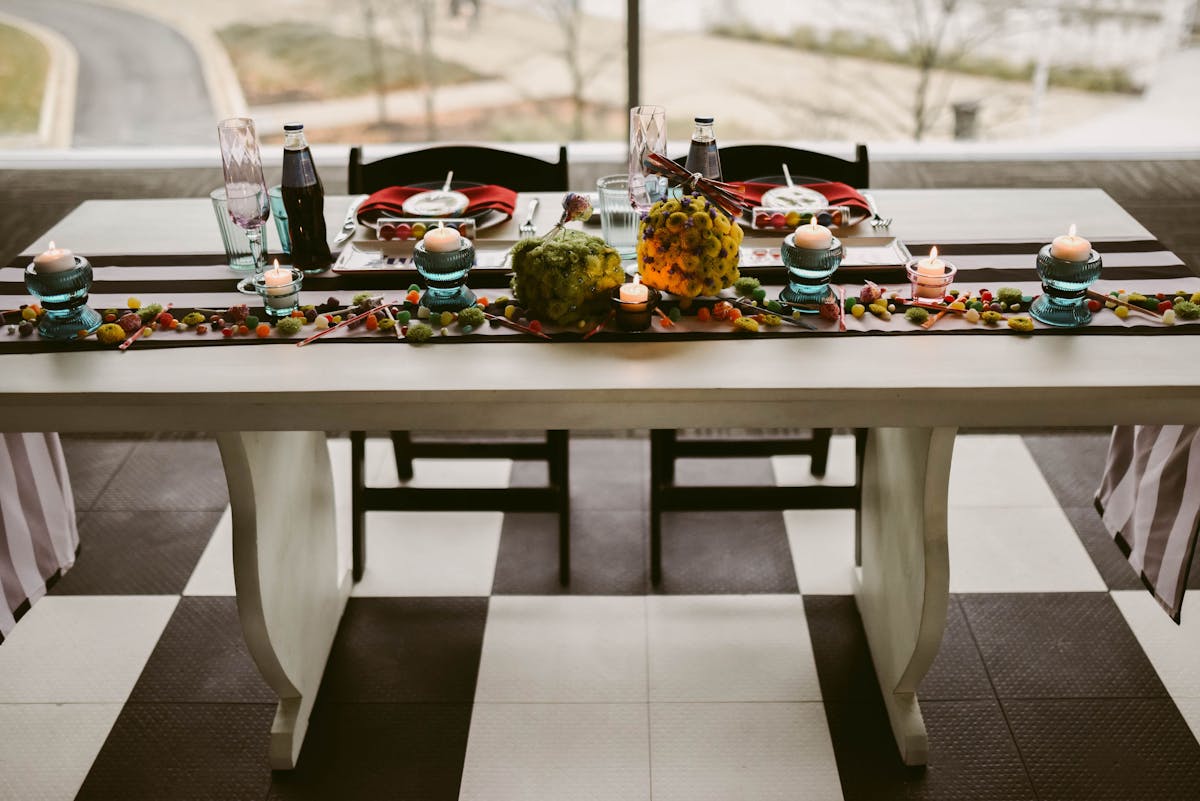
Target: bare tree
[375,56]
[568,15]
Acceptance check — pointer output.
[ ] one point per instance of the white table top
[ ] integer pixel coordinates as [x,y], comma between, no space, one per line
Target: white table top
[801,381]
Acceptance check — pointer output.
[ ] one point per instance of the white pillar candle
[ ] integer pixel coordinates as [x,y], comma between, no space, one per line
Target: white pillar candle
[635,292]
[278,282]
[1071,247]
[54,260]
[813,236]
[442,239]
[931,275]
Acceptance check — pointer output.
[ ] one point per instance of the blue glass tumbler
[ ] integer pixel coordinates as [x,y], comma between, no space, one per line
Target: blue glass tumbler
[1063,302]
[445,274]
[64,296]
[808,272]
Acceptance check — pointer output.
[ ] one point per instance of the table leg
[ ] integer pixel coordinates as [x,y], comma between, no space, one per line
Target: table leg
[290,592]
[903,585]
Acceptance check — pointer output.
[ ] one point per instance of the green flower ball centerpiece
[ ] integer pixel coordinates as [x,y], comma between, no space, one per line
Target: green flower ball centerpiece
[566,276]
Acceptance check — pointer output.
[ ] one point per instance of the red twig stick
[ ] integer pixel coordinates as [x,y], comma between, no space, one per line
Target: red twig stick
[943,312]
[333,328]
[598,327]
[666,320]
[516,326]
[841,308]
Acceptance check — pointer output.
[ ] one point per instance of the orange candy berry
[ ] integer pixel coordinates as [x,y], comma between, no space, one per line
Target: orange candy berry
[263,330]
[241,329]
[413,297]
[733,314]
[297,313]
[703,315]
[372,323]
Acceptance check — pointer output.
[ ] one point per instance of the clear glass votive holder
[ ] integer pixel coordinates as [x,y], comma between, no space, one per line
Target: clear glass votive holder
[929,286]
[1063,301]
[64,295]
[808,272]
[445,274]
[279,300]
[280,215]
[637,315]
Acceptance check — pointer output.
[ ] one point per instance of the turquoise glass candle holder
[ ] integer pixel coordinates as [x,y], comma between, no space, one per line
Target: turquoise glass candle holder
[1063,302]
[445,275]
[808,272]
[279,300]
[64,296]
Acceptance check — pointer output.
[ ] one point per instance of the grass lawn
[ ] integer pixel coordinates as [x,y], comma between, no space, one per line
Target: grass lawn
[23,65]
[299,61]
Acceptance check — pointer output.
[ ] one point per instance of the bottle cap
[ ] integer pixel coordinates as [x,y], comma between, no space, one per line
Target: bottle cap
[704,120]
[293,126]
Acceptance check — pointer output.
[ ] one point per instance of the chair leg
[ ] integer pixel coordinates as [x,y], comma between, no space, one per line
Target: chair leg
[860,452]
[402,449]
[358,514]
[559,470]
[820,451]
[662,462]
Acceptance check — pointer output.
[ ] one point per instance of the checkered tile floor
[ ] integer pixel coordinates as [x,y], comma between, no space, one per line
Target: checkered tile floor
[462,670]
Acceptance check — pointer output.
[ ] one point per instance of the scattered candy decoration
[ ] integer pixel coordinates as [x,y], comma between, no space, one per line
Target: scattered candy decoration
[916,315]
[418,333]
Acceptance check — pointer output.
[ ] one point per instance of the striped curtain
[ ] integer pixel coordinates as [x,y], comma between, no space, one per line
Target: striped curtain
[38,537]
[1149,499]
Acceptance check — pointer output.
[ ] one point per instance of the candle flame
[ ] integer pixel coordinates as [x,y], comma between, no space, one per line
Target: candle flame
[637,279]
[441,225]
[52,246]
[813,222]
[276,264]
[933,253]
[1071,231]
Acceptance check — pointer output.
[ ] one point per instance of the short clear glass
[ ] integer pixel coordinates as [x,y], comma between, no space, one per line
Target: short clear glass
[237,245]
[618,219]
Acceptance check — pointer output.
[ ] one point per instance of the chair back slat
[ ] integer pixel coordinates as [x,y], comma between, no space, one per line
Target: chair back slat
[469,162]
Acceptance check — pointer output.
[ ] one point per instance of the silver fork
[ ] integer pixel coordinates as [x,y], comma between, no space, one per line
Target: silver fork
[877,221]
[527,229]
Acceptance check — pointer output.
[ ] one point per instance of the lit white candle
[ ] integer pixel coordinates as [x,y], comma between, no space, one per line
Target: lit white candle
[635,292]
[54,260]
[931,274]
[813,236]
[278,281]
[1071,247]
[442,239]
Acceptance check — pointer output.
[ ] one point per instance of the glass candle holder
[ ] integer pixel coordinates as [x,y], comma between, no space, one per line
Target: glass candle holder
[929,286]
[634,316]
[279,300]
[1063,301]
[445,275]
[808,272]
[64,295]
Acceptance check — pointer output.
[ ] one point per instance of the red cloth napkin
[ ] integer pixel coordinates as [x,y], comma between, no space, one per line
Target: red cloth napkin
[837,194]
[390,201]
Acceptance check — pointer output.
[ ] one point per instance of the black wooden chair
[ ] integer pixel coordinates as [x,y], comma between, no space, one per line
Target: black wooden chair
[515,171]
[741,163]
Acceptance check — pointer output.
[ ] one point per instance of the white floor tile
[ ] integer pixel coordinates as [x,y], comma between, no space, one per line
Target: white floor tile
[996,470]
[730,648]
[213,574]
[565,649]
[1030,550]
[430,553]
[794,471]
[822,544]
[1190,709]
[46,750]
[1173,650]
[717,752]
[381,470]
[557,752]
[82,649]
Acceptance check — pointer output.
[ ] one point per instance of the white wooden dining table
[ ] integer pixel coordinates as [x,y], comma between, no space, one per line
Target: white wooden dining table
[270,406]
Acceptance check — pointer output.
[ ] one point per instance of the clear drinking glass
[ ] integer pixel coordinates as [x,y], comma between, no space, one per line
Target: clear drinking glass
[618,219]
[647,134]
[237,245]
[245,187]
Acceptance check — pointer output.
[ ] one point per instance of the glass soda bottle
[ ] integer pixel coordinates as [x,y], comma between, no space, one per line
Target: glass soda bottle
[304,198]
[702,155]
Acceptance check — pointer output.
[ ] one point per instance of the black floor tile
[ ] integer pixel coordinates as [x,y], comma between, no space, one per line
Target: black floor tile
[957,672]
[406,650]
[137,553]
[413,752]
[726,553]
[1072,463]
[608,554]
[183,752]
[735,472]
[91,464]
[202,657]
[971,754]
[1059,645]
[608,474]
[1106,749]
[169,476]
[1106,556]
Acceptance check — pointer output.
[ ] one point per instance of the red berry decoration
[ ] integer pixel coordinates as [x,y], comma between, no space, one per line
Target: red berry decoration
[1164,305]
[243,329]
[1093,305]
[165,319]
[762,220]
[535,326]
[227,332]
[202,329]
[403,231]
[779,219]
[387,231]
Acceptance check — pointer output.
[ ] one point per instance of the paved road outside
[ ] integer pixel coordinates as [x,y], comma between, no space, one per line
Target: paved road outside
[140,82]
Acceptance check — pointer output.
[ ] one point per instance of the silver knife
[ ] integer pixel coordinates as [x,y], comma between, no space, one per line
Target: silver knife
[350,225]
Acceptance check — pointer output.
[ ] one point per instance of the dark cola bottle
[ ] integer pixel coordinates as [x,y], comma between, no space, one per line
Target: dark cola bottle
[304,199]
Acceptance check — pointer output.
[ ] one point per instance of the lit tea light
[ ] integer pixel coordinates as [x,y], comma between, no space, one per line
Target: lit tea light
[635,292]
[1071,247]
[813,236]
[54,260]
[931,276]
[442,239]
